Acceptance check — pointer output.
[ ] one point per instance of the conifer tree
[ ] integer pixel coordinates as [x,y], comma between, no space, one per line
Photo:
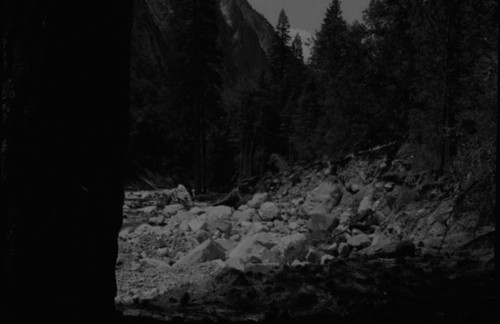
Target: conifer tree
[297,48]
[280,52]
[329,48]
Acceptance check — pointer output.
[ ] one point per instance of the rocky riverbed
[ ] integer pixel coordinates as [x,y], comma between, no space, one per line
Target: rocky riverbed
[374,239]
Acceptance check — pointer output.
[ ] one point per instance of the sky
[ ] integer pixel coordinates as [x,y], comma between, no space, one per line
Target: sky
[307,14]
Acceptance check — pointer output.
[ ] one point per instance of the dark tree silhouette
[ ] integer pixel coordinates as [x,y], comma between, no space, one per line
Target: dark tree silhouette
[65,99]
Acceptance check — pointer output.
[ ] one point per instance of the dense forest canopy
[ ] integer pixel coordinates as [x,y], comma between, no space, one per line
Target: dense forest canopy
[415,71]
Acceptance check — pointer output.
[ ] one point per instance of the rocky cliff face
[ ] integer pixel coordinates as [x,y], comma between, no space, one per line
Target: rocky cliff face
[245,38]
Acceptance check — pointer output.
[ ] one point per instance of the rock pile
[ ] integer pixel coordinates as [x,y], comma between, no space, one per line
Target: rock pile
[307,216]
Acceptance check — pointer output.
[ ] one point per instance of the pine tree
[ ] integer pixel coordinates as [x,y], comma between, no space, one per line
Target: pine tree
[283,28]
[280,52]
[329,48]
[297,48]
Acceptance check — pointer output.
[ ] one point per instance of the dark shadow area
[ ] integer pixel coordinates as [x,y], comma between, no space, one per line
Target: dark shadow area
[64,129]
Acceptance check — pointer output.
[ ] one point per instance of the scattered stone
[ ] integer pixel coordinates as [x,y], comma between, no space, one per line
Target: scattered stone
[298,263]
[251,250]
[353,188]
[344,250]
[261,248]
[391,250]
[325,258]
[158,220]
[182,194]
[156,263]
[207,251]
[235,237]
[288,240]
[227,245]
[147,210]
[379,217]
[346,217]
[314,256]
[195,225]
[269,211]
[202,236]
[322,199]
[224,227]
[172,209]
[219,212]
[359,241]
[257,228]
[246,224]
[196,211]
[365,204]
[297,201]
[246,215]
[333,248]
[183,227]
[389,186]
[258,199]
[135,266]
[162,252]
[322,222]
[125,233]
[356,231]
[243,207]
[293,226]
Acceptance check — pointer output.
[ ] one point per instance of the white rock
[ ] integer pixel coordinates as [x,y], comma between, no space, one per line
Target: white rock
[172,209]
[257,228]
[269,211]
[257,200]
[196,211]
[254,249]
[218,212]
[359,241]
[196,224]
[297,201]
[246,215]
[156,263]
[366,202]
[162,252]
[322,199]
[147,210]
[243,207]
[207,251]
[326,258]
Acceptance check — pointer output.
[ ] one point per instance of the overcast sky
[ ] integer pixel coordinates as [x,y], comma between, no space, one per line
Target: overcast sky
[307,14]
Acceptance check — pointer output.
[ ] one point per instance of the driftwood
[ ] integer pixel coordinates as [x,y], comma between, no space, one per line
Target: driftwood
[232,199]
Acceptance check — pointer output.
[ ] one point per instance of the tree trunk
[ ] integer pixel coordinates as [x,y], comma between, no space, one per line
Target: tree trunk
[64,136]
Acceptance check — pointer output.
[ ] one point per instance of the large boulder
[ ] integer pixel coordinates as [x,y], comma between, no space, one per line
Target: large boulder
[367,202]
[324,222]
[207,251]
[269,211]
[359,241]
[227,245]
[196,224]
[219,212]
[220,224]
[246,215]
[172,209]
[261,248]
[322,199]
[257,200]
